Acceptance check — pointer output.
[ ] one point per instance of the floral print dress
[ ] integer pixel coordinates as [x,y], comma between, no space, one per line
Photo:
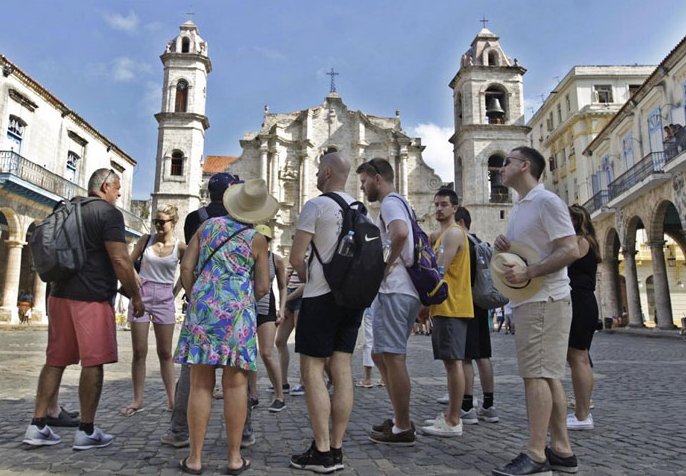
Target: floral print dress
[220,325]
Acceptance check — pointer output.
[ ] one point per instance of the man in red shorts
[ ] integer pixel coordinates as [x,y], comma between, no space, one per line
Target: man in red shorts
[81,326]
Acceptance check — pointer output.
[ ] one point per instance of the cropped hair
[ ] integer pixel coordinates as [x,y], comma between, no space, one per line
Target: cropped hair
[447,192]
[463,214]
[171,211]
[535,158]
[99,178]
[377,167]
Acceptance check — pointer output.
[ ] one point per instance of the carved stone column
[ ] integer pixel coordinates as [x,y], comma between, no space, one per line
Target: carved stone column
[38,314]
[403,172]
[8,310]
[633,296]
[305,171]
[274,179]
[264,162]
[663,302]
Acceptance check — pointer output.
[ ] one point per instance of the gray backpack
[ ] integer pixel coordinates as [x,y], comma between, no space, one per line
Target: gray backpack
[484,293]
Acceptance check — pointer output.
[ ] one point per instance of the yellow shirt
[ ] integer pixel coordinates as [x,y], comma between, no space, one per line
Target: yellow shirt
[459,279]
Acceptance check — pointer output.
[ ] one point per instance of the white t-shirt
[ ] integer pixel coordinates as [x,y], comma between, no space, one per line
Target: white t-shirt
[398,281]
[322,217]
[538,219]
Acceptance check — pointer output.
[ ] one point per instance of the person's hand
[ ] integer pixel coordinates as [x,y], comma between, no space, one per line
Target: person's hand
[138,307]
[501,243]
[516,274]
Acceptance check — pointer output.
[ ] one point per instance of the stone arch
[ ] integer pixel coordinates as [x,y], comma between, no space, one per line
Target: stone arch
[185,45]
[27,274]
[498,192]
[496,91]
[491,57]
[610,245]
[634,224]
[181,96]
[14,228]
[177,162]
[665,220]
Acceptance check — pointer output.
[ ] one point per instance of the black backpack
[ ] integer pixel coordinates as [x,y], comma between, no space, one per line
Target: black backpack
[57,244]
[355,280]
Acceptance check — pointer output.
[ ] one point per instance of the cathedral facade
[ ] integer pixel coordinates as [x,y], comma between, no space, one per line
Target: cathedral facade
[286,149]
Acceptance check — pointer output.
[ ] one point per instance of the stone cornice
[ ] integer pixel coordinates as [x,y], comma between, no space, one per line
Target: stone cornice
[182,117]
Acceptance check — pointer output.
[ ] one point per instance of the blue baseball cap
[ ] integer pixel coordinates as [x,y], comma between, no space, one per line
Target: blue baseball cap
[220,182]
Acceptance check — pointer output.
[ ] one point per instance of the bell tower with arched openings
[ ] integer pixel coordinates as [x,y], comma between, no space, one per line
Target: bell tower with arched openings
[182,123]
[488,97]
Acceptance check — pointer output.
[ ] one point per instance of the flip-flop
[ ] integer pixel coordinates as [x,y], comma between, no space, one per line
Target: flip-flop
[184,467]
[73,414]
[360,383]
[236,471]
[130,411]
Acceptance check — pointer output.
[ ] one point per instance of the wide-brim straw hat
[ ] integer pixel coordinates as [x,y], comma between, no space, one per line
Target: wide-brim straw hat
[250,202]
[519,254]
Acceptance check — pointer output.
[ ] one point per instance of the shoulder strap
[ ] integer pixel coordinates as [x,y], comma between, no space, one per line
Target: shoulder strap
[344,206]
[202,214]
[221,245]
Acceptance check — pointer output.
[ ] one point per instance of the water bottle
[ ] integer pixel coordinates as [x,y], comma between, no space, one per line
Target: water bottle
[439,260]
[347,246]
[386,250]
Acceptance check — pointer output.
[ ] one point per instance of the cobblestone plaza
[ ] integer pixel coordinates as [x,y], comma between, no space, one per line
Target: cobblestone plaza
[640,422]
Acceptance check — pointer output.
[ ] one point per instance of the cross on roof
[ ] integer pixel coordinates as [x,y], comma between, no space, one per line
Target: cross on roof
[484,21]
[333,75]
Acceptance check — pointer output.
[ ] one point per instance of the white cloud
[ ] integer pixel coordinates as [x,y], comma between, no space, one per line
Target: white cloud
[122,69]
[439,152]
[127,23]
[151,102]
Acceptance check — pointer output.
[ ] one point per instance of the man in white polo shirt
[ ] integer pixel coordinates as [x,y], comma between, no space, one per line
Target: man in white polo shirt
[540,219]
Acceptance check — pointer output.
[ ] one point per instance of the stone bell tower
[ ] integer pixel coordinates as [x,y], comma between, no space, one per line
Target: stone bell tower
[488,98]
[182,123]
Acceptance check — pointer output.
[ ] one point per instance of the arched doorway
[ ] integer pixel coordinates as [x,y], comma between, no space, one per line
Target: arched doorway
[498,192]
[668,258]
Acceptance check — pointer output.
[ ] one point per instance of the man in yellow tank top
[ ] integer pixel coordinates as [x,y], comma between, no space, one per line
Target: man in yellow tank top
[450,318]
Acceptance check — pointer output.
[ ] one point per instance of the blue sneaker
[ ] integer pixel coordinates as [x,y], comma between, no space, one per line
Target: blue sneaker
[298,390]
[44,437]
[98,439]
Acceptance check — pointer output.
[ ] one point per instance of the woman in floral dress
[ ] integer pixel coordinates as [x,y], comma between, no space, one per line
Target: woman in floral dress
[229,260]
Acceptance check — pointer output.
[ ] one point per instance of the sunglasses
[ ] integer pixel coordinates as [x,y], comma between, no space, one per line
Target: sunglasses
[371,164]
[159,222]
[107,177]
[508,160]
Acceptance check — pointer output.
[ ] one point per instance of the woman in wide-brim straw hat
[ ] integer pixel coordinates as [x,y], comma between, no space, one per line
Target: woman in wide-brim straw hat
[219,328]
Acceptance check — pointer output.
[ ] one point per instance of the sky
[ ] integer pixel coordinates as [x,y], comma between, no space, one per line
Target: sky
[101,57]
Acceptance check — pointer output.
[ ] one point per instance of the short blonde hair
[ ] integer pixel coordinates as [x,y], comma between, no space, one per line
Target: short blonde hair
[171,211]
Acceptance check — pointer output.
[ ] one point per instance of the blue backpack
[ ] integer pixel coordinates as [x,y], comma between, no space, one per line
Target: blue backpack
[423,271]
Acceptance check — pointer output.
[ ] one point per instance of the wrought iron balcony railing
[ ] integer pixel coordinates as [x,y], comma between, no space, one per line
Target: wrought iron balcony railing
[14,164]
[597,201]
[650,164]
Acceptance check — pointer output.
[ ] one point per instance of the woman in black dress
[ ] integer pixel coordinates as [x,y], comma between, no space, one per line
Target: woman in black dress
[582,277]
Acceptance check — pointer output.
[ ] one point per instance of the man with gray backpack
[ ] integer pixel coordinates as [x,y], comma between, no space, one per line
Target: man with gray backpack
[485,297]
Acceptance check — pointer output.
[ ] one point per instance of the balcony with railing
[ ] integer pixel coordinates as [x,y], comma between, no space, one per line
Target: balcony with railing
[30,179]
[642,177]
[675,151]
[597,204]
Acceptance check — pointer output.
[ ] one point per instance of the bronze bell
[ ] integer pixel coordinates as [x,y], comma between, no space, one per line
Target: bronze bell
[494,108]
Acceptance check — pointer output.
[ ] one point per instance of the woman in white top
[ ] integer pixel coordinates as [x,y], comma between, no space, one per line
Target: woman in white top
[161,255]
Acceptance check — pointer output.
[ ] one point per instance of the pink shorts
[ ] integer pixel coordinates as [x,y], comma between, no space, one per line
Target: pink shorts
[158,300]
[80,331]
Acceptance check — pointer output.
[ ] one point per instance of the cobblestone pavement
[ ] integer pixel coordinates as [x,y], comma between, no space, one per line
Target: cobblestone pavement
[640,417]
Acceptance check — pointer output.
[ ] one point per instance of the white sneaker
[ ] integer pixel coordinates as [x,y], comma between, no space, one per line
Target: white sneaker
[574,424]
[445,399]
[441,428]
[44,437]
[432,421]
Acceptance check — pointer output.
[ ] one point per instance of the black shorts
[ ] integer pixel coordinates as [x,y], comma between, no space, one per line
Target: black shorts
[271,313]
[324,327]
[584,319]
[478,336]
[293,305]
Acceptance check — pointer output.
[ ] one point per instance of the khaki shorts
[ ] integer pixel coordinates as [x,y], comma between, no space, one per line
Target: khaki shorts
[541,337]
